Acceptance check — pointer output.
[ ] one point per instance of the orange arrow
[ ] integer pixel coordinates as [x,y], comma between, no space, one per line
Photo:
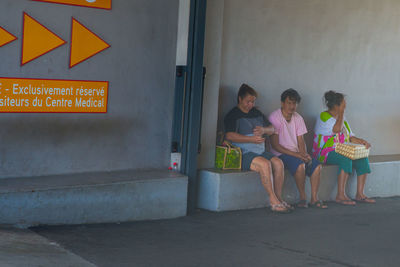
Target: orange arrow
[103,4]
[37,40]
[6,37]
[84,44]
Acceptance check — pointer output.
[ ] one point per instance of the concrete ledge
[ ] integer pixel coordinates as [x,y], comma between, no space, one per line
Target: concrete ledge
[230,190]
[234,190]
[93,197]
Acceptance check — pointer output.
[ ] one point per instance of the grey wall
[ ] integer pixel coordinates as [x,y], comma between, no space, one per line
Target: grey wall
[313,46]
[212,61]
[140,65]
[183,32]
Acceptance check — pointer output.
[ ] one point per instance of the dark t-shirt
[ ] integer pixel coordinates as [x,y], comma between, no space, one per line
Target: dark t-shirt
[243,123]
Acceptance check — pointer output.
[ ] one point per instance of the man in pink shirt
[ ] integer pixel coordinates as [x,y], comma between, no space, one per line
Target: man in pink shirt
[288,144]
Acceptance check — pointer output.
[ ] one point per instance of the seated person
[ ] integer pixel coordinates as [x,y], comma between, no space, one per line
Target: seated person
[288,144]
[332,127]
[246,127]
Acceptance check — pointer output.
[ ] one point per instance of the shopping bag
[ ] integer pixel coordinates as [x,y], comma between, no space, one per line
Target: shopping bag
[228,157]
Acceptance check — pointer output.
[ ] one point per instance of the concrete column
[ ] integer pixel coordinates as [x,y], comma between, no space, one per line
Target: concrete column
[212,61]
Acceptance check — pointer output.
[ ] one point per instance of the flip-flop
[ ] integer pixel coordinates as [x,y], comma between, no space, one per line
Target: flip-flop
[365,200]
[346,202]
[287,206]
[275,210]
[318,205]
[302,204]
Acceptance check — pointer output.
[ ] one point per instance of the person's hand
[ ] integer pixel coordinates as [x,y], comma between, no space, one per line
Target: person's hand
[308,157]
[304,157]
[342,106]
[270,130]
[258,131]
[257,139]
[365,143]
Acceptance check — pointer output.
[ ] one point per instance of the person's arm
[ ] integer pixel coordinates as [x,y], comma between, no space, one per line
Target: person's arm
[268,130]
[303,148]
[240,138]
[337,128]
[360,141]
[274,139]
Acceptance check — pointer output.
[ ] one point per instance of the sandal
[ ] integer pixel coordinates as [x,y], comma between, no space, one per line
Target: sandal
[277,208]
[365,200]
[302,204]
[318,204]
[346,202]
[287,206]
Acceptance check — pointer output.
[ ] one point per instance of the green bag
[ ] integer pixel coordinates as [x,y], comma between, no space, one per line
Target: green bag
[228,157]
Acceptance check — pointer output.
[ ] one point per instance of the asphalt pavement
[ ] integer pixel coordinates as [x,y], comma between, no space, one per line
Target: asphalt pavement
[363,235]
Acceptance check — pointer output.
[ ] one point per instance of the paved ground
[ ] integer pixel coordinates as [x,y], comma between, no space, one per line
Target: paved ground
[25,248]
[365,235]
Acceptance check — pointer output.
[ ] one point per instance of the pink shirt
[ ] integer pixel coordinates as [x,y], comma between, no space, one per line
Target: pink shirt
[287,131]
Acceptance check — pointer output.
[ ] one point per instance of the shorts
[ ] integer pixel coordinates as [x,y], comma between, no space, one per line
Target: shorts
[249,156]
[292,164]
[346,164]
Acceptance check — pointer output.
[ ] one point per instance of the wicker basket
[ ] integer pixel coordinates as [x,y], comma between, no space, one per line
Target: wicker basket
[352,151]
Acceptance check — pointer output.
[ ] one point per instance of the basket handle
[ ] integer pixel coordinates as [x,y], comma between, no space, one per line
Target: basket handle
[229,147]
[337,139]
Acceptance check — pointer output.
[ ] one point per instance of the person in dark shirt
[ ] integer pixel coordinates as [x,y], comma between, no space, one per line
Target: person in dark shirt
[246,127]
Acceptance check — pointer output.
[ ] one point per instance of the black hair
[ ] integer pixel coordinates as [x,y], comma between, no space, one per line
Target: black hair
[333,98]
[292,94]
[245,90]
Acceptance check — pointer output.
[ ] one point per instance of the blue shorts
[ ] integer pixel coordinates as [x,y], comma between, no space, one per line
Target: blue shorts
[292,164]
[249,156]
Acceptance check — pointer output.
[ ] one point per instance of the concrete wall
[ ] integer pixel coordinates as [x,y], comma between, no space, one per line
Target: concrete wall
[183,32]
[313,46]
[212,62]
[140,65]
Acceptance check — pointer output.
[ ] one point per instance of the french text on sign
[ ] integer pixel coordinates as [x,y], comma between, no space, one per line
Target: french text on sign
[52,96]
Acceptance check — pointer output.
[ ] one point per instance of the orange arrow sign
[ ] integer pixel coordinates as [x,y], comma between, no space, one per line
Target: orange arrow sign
[103,4]
[37,40]
[6,37]
[84,43]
